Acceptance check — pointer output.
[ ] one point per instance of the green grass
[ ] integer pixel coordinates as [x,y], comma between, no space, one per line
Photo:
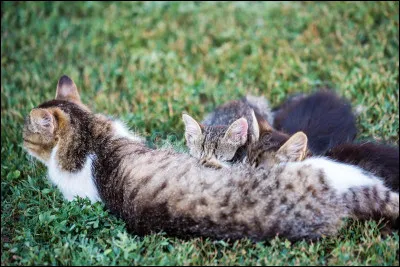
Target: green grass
[146,63]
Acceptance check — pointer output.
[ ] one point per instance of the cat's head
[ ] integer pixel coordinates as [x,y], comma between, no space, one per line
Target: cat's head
[215,145]
[274,147]
[54,120]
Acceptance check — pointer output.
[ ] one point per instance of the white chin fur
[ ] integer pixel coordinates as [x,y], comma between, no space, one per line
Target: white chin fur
[73,184]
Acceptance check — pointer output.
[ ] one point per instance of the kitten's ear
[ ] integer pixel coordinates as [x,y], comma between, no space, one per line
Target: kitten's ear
[192,128]
[66,90]
[295,148]
[263,124]
[42,119]
[255,133]
[237,132]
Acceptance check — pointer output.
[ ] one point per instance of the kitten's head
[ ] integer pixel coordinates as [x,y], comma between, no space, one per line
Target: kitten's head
[51,121]
[274,147]
[214,145]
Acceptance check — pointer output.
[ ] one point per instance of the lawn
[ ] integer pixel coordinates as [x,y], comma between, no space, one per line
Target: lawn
[146,63]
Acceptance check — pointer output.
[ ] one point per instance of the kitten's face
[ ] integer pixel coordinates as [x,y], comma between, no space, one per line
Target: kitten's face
[214,146]
[274,147]
[46,124]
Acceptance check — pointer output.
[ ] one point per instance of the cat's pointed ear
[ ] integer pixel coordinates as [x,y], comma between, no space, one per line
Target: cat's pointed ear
[255,132]
[192,128]
[263,124]
[237,132]
[295,148]
[42,119]
[67,90]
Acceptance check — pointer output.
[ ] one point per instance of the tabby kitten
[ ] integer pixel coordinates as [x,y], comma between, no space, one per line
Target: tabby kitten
[91,155]
[225,133]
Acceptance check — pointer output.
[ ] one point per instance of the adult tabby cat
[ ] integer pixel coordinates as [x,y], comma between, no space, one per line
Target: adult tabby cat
[91,155]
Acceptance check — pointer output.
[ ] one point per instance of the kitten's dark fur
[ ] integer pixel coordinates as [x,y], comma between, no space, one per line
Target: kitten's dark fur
[382,160]
[379,159]
[325,118]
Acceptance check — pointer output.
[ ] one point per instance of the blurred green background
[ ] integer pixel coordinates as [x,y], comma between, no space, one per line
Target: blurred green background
[148,62]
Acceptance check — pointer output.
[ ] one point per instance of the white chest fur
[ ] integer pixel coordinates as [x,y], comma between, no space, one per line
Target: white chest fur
[73,184]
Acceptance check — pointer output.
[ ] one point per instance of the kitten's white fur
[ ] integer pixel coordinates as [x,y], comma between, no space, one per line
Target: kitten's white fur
[342,176]
[73,184]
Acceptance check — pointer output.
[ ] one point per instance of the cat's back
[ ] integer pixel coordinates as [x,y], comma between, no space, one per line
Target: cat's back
[156,190]
[324,117]
[261,106]
[227,113]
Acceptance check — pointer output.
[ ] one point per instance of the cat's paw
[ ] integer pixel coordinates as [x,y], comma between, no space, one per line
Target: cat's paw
[212,163]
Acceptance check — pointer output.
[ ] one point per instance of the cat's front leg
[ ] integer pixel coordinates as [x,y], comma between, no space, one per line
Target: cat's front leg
[212,163]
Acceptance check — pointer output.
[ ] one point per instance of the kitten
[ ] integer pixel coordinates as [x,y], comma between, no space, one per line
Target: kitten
[91,155]
[277,149]
[224,134]
[272,147]
[324,117]
[381,160]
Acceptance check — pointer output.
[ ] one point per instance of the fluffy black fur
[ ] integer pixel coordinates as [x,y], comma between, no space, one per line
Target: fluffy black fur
[382,160]
[324,117]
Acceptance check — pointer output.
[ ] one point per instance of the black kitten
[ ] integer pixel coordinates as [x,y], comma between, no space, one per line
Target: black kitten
[323,116]
[382,160]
